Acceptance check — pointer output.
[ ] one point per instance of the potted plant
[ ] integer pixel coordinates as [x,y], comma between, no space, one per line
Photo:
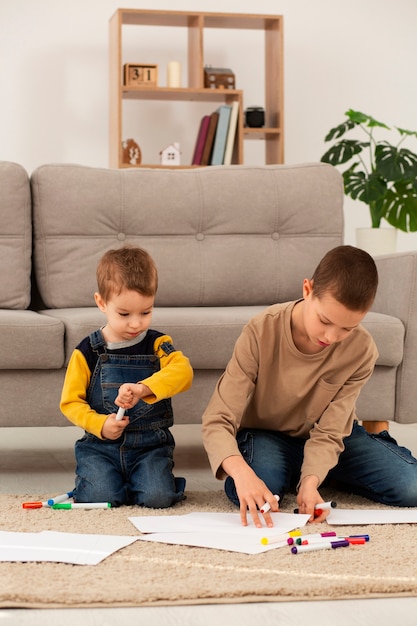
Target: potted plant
[383,175]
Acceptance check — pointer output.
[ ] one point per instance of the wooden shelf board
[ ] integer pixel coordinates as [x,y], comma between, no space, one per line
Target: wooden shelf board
[144,17]
[157,166]
[182,94]
[260,133]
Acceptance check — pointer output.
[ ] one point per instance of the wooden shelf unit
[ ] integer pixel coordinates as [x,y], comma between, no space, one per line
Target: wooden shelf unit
[196,23]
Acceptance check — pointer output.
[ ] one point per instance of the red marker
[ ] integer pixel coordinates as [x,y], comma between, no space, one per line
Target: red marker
[34,505]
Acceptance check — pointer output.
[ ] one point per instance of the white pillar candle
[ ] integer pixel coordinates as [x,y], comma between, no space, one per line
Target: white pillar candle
[174,74]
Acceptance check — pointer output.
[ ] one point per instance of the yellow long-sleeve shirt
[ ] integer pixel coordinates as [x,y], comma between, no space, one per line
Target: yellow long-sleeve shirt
[270,384]
[174,376]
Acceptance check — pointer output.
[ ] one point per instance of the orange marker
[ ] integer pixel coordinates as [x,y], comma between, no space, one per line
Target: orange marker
[35,505]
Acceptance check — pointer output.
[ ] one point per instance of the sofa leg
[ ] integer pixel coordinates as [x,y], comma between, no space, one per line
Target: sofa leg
[374,428]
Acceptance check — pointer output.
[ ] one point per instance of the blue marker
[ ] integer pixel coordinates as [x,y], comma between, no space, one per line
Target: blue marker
[58,499]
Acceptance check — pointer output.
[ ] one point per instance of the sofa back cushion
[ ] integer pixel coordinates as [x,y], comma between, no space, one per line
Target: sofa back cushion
[220,236]
[15,236]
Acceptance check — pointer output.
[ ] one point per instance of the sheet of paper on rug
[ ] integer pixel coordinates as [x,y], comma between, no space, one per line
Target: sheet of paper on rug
[222,531]
[60,547]
[218,522]
[351,517]
[222,541]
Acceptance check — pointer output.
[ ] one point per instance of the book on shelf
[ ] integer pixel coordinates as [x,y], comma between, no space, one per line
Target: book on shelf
[208,146]
[231,133]
[221,134]
[201,140]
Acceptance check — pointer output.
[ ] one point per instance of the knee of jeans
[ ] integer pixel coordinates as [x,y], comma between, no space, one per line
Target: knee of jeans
[406,493]
[230,490]
[159,500]
[85,491]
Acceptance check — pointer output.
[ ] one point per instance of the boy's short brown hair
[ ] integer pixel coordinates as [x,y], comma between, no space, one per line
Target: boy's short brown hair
[348,274]
[126,268]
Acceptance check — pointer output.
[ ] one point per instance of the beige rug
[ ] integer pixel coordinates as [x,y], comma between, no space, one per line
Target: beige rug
[150,574]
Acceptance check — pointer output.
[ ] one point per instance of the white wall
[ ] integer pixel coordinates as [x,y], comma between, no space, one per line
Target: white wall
[338,55]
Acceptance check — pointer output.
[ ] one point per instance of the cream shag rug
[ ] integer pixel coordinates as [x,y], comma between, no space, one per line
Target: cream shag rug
[150,574]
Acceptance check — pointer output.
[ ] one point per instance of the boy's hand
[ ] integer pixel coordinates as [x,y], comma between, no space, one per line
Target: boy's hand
[308,497]
[251,491]
[130,394]
[113,428]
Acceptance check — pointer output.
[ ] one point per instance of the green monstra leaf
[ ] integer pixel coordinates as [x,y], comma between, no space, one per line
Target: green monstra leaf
[343,151]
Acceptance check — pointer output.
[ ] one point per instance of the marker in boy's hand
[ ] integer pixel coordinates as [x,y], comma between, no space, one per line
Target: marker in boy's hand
[120,414]
[321,510]
[267,507]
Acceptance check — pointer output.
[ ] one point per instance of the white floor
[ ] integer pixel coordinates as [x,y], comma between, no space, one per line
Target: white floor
[40,460]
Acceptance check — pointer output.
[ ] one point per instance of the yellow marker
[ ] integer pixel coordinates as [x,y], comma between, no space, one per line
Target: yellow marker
[283,537]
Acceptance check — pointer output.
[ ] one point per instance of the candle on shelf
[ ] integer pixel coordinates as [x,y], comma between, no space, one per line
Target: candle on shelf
[174,74]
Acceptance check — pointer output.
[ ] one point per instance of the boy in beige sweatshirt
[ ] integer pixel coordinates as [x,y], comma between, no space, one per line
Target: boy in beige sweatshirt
[283,413]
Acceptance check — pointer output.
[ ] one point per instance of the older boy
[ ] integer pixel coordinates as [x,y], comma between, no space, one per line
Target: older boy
[125,364]
[283,413]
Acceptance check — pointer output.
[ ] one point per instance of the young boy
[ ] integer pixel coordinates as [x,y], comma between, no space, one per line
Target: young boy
[125,364]
[283,413]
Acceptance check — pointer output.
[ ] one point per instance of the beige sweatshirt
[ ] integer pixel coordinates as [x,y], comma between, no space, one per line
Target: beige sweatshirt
[270,384]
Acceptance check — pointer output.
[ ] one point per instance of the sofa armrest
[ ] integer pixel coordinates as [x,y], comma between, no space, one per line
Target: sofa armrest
[397,296]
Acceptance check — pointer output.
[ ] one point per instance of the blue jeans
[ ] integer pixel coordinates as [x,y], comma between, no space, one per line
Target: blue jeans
[135,469]
[373,466]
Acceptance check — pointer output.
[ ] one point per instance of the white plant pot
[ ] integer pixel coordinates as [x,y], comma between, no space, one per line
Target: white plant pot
[377,241]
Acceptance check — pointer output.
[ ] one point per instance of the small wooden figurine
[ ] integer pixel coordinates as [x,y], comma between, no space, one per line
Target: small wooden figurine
[218,78]
[171,155]
[131,152]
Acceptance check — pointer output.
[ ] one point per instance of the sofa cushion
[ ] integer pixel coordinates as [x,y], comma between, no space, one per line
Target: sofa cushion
[213,231]
[30,341]
[15,236]
[207,335]
[388,333]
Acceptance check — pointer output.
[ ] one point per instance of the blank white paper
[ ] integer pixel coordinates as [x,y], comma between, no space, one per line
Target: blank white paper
[59,547]
[222,531]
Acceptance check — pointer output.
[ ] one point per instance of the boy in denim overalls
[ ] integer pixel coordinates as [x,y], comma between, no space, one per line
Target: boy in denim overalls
[125,364]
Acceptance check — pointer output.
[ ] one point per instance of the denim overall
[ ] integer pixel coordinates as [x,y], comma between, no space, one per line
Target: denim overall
[137,467]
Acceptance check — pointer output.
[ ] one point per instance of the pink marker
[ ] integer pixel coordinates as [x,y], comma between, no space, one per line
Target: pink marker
[313,537]
[266,507]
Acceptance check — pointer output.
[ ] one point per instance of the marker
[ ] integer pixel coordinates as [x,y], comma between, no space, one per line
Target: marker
[57,499]
[278,538]
[34,505]
[82,505]
[366,537]
[320,546]
[266,507]
[120,414]
[322,506]
[300,540]
[326,505]
[314,540]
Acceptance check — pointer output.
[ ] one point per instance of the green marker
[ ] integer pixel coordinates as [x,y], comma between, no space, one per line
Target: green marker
[82,505]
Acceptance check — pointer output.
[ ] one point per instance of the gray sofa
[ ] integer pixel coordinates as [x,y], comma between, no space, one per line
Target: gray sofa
[228,241]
